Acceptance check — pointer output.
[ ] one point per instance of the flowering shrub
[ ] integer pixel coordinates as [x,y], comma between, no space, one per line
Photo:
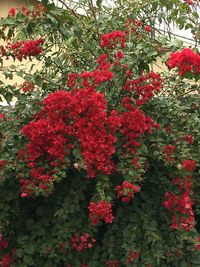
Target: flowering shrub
[99,157]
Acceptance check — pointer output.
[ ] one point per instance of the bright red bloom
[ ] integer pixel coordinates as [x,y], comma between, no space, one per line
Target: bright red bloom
[112,39]
[12,12]
[24,49]
[27,86]
[189,138]
[189,165]
[68,116]
[144,87]
[147,28]
[126,191]
[134,124]
[189,2]
[168,150]
[100,210]
[187,61]
[2,116]
[181,207]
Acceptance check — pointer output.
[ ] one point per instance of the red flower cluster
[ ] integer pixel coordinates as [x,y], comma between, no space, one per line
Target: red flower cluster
[189,138]
[112,39]
[134,124]
[135,25]
[189,165]
[37,12]
[144,87]
[24,49]
[3,243]
[182,206]
[187,61]
[103,62]
[168,150]
[2,116]
[197,246]
[132,255]
[112,263]
[6,260]
[82,242]
[27,87]
[147,28]
[189,2]
[3,163]
[90,78]
[184,184]
[12,12]
[126,191]
[100,210]
[68,117]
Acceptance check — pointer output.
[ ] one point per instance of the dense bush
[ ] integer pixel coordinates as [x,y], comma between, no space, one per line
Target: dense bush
[100,155]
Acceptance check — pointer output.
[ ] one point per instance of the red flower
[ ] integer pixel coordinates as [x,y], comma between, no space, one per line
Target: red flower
[6,261]
[168,150]
[189,138]
[82,242]
[132,255]
[100,210]
[189,165]
[189,2]
[24,49]
[181,207]
[112,39]
[12,11]
[147,28]
[27,86]
[2,116]
[126,191]
[187,61]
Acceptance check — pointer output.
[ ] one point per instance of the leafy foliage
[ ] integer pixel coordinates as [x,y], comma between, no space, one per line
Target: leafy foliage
[100,155]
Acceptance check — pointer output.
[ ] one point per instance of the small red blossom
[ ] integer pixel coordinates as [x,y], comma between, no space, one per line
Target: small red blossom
[25,49]
[189,2]
[189,138]
[144,87]
[100,210]
[181,207]
[168,150]
[2,116]
[189,165]
[187,61]
[132,256]
[147,28]
[6,260]
[12,12]
[112,39]
[82,242]
[126,191]
[27,86]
